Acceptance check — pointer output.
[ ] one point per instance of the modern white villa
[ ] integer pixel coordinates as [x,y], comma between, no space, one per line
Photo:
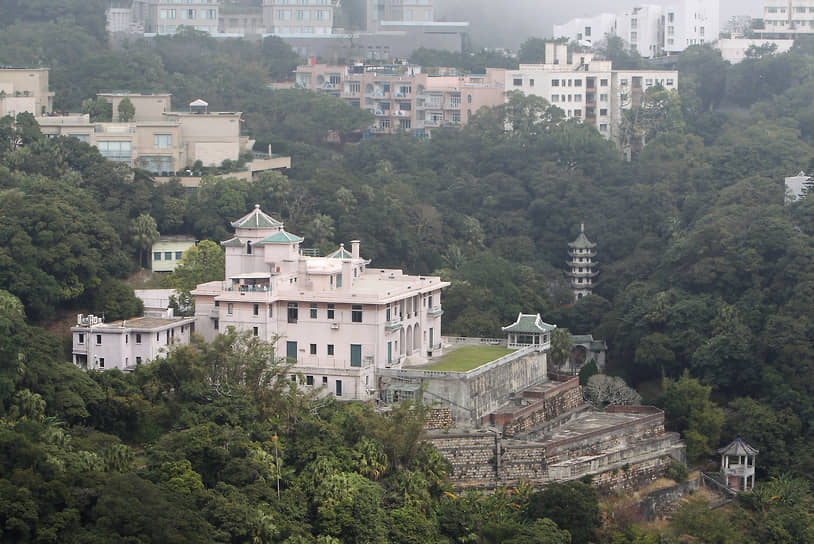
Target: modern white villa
[338,317]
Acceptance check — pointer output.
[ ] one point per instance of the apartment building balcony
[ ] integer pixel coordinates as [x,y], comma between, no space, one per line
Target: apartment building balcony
[380,113]
[401,113]
[435,312]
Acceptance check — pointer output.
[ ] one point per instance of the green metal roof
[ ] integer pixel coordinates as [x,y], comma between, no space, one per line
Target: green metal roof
[528,323]
[340,253]
[234,242]
[738,448]
[281,237]
[256,219]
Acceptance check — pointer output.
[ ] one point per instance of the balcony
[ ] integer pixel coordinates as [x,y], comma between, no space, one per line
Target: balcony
[434,312]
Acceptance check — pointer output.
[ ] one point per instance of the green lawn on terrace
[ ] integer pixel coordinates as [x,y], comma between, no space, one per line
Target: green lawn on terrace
[466,358]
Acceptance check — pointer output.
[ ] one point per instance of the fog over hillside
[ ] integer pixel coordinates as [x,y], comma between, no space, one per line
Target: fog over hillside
[506,23]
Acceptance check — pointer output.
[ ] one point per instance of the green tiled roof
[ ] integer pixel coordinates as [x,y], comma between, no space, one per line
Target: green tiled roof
[340,253]
[738,448]
[234,242]
[582,241]
[256,219]
[281,237]
[528,323]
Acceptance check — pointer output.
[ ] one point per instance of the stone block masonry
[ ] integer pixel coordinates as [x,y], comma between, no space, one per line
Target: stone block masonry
[622,449]
[545,404]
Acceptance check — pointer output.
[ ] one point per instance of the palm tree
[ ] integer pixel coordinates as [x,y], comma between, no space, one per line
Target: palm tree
[145,233]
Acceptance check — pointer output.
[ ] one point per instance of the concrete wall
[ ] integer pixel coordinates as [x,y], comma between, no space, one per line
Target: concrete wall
[472,395]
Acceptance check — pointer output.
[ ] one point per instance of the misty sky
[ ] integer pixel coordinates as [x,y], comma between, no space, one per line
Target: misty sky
[507,23]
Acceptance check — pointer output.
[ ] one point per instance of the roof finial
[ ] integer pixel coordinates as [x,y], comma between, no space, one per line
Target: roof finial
[582,227]
[257,206]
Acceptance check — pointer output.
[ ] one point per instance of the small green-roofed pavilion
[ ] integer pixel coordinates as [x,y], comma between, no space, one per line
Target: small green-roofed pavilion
[529,330]
[340,253]
[738,464]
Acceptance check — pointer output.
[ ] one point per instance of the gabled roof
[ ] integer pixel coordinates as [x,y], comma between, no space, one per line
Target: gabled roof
[199,102]
[256,219]
[340,253]
[529,323]
[582,241]
[281,237]
[738,448]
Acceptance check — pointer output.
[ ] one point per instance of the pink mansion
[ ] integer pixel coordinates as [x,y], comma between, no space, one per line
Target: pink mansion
[339,318]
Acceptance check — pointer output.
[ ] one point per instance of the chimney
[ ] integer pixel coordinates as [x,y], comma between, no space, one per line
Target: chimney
[354,248]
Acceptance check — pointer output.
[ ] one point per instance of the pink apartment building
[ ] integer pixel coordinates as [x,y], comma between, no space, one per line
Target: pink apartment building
[405,99]
[339,318]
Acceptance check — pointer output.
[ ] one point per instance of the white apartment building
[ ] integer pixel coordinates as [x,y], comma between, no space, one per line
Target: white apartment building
[651,30]
[587,31]
[292,17]
[167,16]
[405,11]
[128,343]
[691,22]
[641,28]
[587,89]
[339,318]
[788,17]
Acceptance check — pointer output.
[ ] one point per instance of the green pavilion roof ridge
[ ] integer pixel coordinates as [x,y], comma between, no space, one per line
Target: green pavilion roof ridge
[256,219]
[529,323]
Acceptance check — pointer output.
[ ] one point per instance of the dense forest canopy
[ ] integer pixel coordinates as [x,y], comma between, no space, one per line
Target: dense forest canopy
[706,282]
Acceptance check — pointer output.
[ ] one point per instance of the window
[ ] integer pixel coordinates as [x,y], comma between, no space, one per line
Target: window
[386,314]
[168,255]
[555,98]
[255,331]
[339,276]
[101,362]
[309,380]
[216,324]
[603,97]
[291,351]
[338,388]
[271,310]
[292,312]
[330,349]
[81,338]
[138,360]
[356,355]
[313,349]
[603,111]
[162,141]
[178,255]
[356,313]
[167,14]
[313,311]
[633,36]
[531,82]
[115,150]
[138,338]
[429,301]
[188,14]
[230,308]
[669,82]
[517,82]
[98,339]
[256,309]
[331,311]
[249,248]
[577,113]
[577,83]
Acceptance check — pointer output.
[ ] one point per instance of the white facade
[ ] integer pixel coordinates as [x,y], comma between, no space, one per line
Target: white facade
[734,49]
[587,31]
[285,17]
[641,28]
[796,187]
[691,22]
[128,343]
[340,319]
[651,30]
[587,89]
[788,16]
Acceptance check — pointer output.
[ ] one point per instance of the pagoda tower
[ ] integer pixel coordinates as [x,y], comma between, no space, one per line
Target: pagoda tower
[582,266]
